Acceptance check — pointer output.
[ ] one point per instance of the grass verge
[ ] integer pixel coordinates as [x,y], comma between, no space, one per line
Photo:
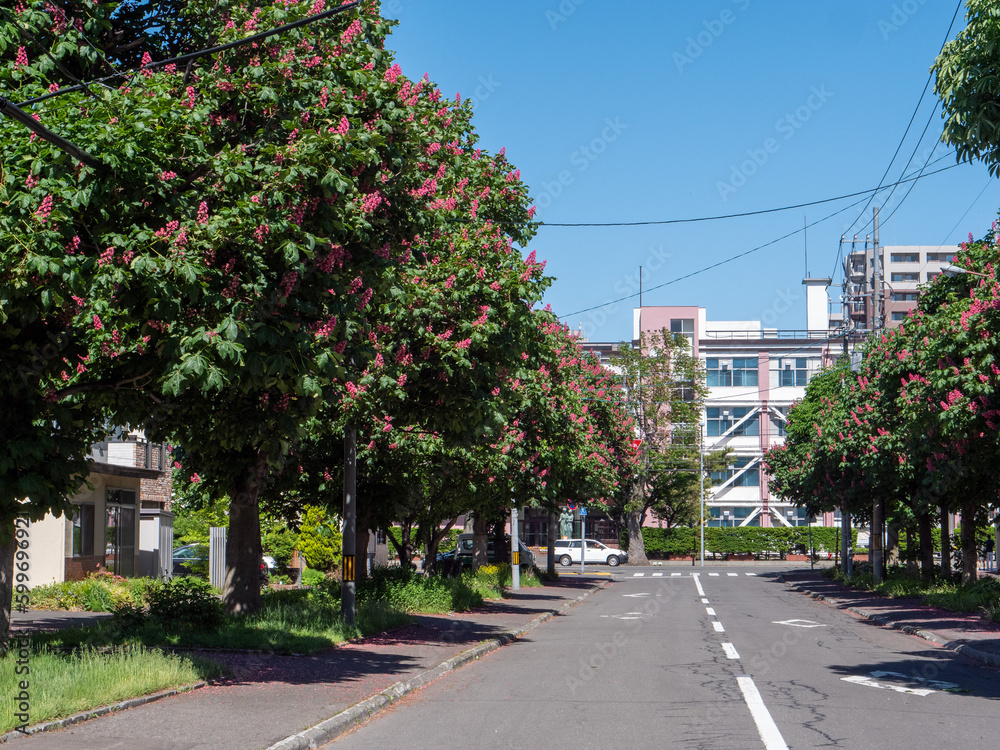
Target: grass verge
[982,597]
[64,684]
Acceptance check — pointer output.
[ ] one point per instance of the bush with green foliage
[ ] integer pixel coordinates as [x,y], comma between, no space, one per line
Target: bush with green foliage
[312,577]
[185,601]
[742,540]
[319,539]
[98,592]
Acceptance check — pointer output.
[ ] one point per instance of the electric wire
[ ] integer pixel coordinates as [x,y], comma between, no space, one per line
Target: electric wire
[729,259]
[962,217]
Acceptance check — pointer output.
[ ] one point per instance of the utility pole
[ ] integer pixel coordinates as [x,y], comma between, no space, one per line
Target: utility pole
[878,505]
[701,481]
[348,544]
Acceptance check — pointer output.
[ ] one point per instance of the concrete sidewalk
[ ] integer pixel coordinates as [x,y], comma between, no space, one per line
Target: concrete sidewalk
[267,699]
[964,632]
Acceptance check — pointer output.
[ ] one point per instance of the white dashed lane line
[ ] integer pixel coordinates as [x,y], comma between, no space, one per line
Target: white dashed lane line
[718,627]
[710,611]
[730,650]
[766,727]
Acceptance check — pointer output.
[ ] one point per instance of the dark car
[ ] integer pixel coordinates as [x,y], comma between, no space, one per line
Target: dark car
[191,560]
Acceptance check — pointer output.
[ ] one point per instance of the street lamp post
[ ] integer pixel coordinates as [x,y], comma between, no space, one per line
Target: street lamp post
[952,270]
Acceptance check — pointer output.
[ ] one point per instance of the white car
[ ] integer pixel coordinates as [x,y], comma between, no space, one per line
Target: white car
[568,552]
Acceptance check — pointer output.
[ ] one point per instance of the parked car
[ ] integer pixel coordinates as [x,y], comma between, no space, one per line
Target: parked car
[464,550]
[190,560]
[568,552]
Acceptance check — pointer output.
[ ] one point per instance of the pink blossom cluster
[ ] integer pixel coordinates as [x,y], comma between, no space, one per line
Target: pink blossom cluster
[43,211]
[22,58]
[371,201]
[351,32]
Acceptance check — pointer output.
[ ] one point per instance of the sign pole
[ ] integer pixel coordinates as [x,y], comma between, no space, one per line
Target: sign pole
[515,551]
[583,540]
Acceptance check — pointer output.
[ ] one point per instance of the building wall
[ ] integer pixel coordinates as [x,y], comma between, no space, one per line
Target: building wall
[46,546]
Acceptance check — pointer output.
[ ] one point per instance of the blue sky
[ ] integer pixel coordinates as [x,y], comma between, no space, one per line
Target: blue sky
[644,111]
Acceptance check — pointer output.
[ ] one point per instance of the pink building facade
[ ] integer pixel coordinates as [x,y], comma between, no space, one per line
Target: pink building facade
[754,375]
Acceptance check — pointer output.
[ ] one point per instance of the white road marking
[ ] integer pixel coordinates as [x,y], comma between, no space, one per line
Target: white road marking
[638,575]
[870,681]
[710,611]
[718,627]
[674,575]
[714,574]
[730,650]
[732,575]
[751,574]
[766,727]
[799,623]
[657,575]
[704,601]
[635,596]
[697,582]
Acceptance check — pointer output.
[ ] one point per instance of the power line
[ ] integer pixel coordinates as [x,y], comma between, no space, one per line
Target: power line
[962,218]
[208,51]
[719,217]
[737,256]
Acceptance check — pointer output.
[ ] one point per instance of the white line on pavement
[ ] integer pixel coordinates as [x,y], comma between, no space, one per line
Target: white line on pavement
[657,575]
[638,575]
[732,575]
[673,575]
[704,601]
[718,627]
[751,574]
[766,727]
[714,574]
[697,582]
[710,611]
[730,650]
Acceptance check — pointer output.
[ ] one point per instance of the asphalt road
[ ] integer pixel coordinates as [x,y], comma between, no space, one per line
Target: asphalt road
[701,658]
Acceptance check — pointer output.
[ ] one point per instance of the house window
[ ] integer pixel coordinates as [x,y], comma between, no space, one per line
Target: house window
[720,419]
[904,296]
[119,532]
[905,257]
[684,326]
[83,530]
[905,276]
[898,316]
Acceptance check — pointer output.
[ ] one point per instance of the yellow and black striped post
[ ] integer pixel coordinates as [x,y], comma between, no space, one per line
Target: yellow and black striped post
[347,569]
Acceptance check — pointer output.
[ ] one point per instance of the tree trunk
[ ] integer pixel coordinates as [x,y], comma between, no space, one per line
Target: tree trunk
[911,552]
[361,556]
[946,571]
[480,529]
[636,544]
[501,550]
[8,546]
[892,545]
[970,555]
[875,539]
[550,551]
[241,592]
[926,548]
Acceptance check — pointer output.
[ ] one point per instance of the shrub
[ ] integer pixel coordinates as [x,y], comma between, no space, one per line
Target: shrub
[410,591]
[319,539]
[312,577]
[185,601]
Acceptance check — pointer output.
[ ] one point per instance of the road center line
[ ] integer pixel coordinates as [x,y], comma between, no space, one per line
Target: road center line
[730,650]
[697,582]
[710,611]
[704,600]
[766,727]
[718,627]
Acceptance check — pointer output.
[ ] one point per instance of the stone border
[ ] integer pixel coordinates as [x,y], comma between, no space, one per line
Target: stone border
[984,657]
[330,729]
[50,726]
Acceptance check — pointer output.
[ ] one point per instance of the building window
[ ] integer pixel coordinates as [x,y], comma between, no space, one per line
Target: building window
[904,296]
[931,275]
[905,257]
[905,276]
[897,316]
[119,532]
[793,372]
[720,419]
[684,326]
[940,257]
[797,516]
[83,530]
[780,424]
[721,373]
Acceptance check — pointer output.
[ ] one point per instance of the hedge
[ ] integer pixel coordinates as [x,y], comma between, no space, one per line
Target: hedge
[747,540]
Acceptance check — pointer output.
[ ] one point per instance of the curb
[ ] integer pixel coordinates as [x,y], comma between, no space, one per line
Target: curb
[330,729]
[50,726]
[984,657]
